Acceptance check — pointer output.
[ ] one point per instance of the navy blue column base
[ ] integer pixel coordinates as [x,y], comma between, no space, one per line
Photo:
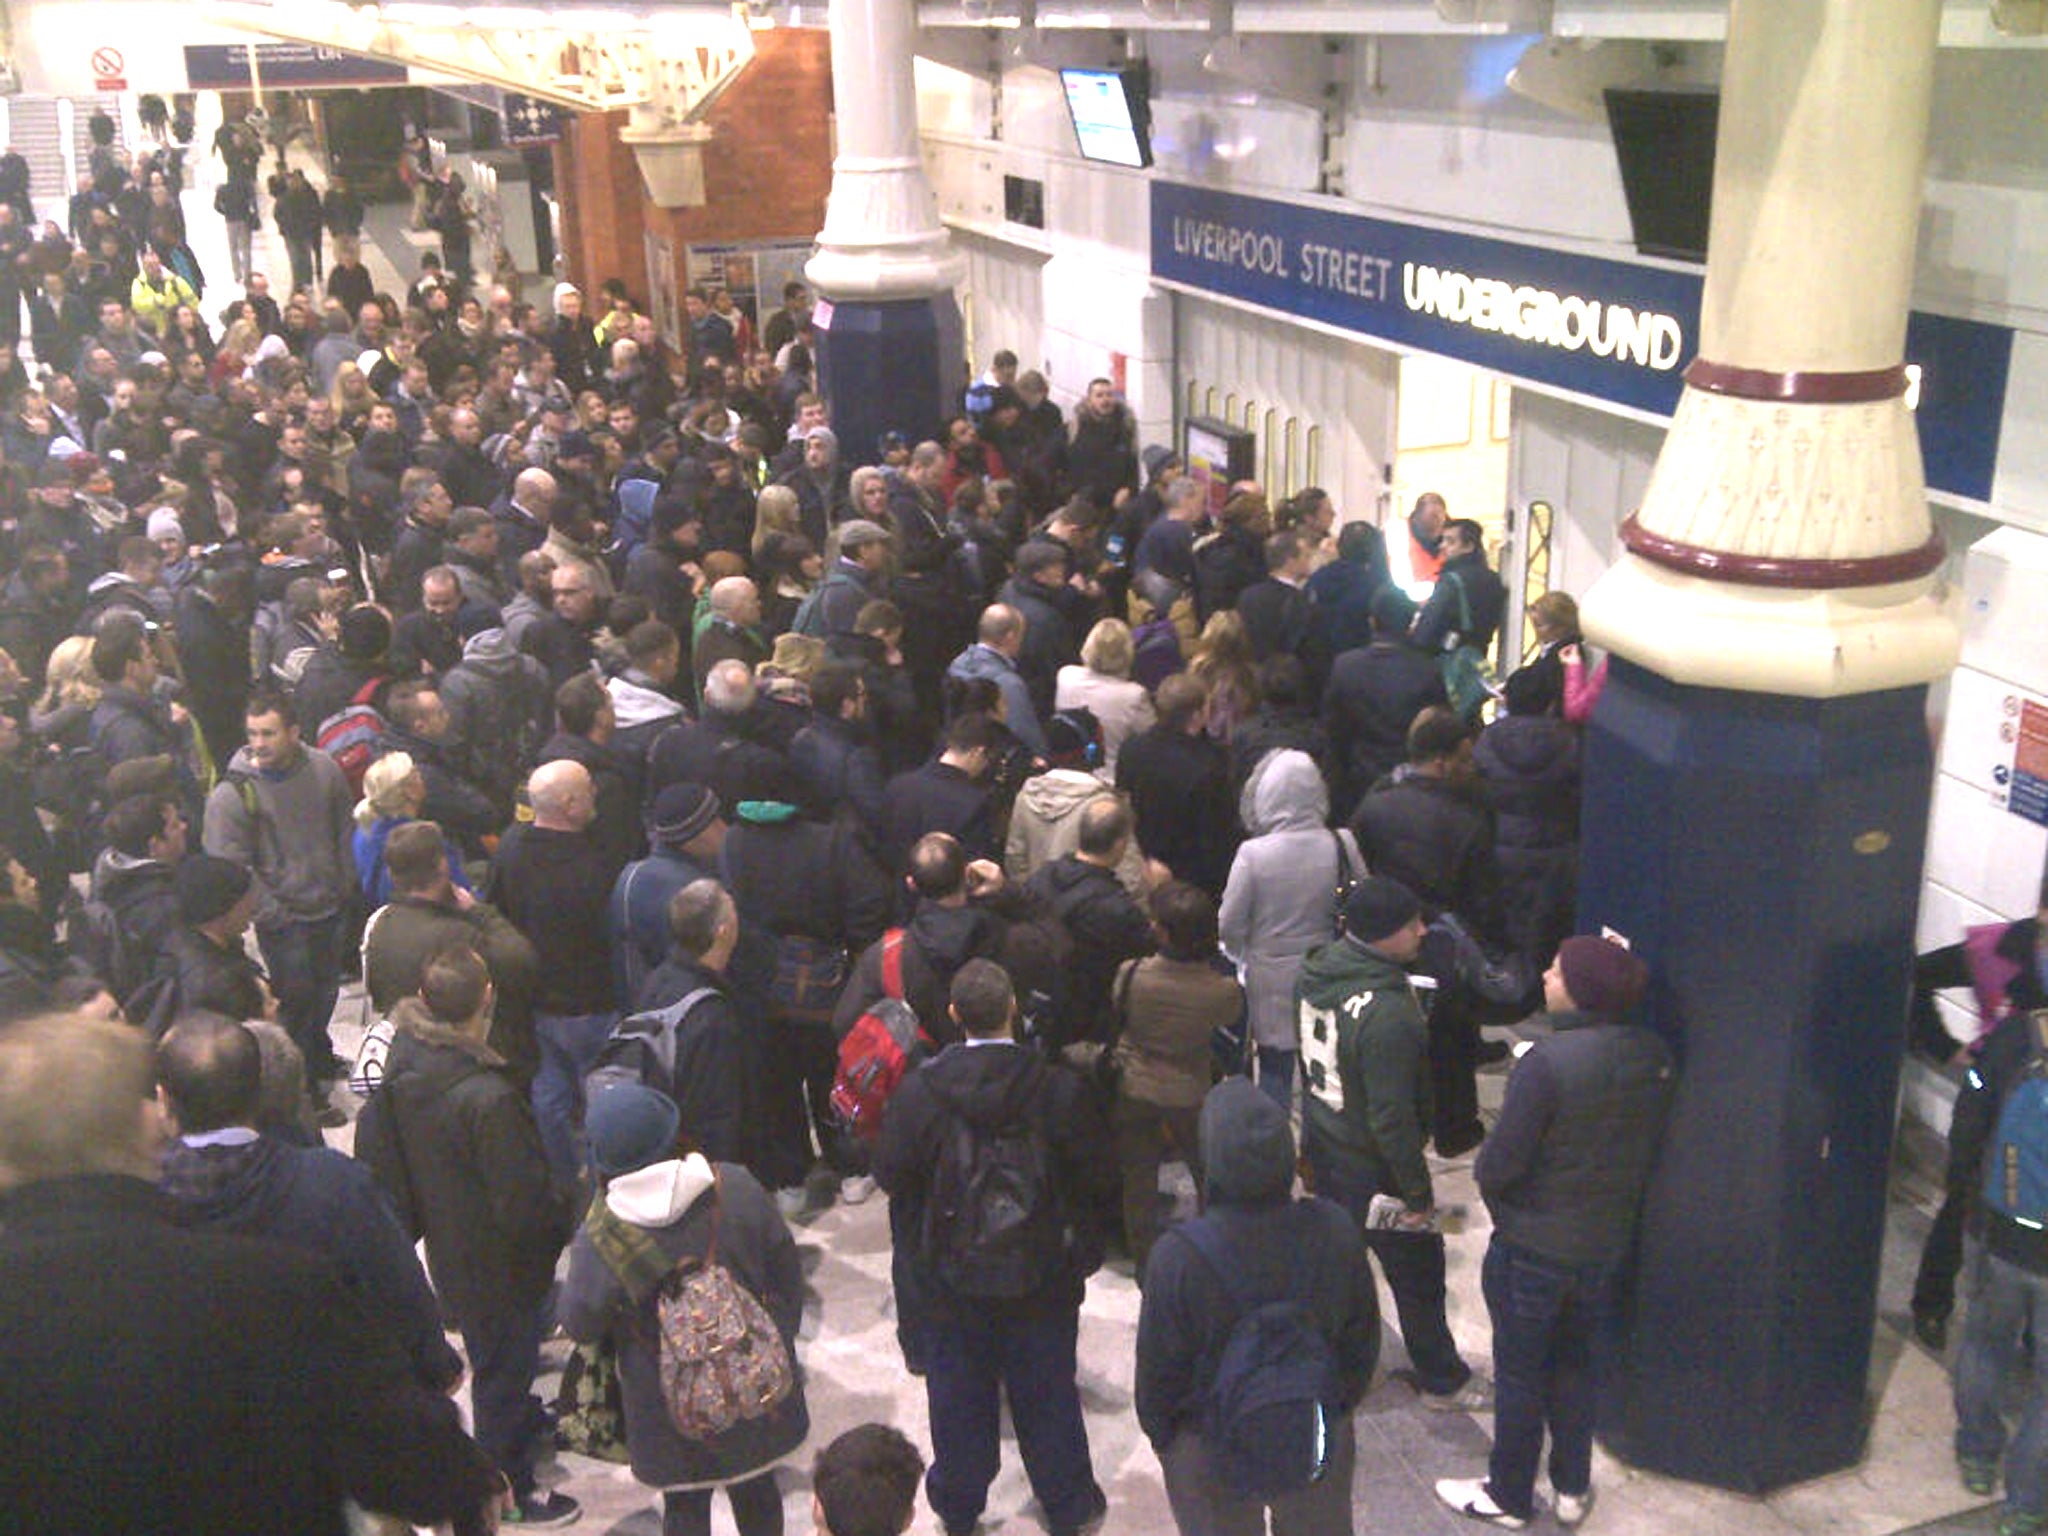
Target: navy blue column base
[1763,854]
[896,366]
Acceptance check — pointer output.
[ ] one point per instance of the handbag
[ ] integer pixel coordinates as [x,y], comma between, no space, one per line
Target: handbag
[1468,684]
[590,1404]
[367,1074]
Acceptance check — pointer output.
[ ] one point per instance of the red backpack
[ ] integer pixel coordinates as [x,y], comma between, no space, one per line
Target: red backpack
[884,1043]
[350,735]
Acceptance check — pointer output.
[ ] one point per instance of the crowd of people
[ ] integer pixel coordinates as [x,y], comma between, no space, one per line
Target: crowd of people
[720,829]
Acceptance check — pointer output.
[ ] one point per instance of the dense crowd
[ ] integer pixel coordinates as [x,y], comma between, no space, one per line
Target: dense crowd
[698,806]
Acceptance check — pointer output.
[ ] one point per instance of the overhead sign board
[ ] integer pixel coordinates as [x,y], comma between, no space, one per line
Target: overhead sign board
[225,67]
[1610,330]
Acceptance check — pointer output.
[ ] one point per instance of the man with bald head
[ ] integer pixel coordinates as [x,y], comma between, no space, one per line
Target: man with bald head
[999,640]
[733,632]
[524,518]
[553,878]
[472,479]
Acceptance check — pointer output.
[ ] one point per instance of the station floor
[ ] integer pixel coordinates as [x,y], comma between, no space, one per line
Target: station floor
[1905,1483]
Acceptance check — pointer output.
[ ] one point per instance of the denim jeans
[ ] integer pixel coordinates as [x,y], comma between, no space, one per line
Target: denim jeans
[2004,1300]
[1548,1319]
[1028,1355]
[304,960]
[1276,1075]
[569,1043]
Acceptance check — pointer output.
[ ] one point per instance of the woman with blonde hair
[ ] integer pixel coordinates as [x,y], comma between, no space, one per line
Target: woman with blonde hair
[1223,664]
[776,516]
[1102,684]
[352,398]
[394,789]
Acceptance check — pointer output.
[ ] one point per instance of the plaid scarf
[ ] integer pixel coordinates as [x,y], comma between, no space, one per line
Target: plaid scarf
[627,1251]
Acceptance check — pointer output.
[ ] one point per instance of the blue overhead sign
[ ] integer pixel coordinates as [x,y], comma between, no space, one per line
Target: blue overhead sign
[225,67]
[1612,330]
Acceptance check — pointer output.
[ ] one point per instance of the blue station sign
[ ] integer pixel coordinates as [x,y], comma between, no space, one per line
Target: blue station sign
[1617,331]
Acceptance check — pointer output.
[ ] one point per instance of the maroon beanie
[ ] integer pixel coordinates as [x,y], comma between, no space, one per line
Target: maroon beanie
[1601,976]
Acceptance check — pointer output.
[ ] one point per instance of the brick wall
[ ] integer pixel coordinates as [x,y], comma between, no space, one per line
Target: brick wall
[767,168]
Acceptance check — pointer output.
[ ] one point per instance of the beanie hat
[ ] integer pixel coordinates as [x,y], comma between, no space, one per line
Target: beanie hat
[681,811]
[163,524]
[365,633]
[1379,907]
[1157,459]
[1601,976]
[630,1126]
[207,887]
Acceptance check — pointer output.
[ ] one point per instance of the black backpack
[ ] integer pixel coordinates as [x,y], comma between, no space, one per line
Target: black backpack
[991,1223]
[1266,1416]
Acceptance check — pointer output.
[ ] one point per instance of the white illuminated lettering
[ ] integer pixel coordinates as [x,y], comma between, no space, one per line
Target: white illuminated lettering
[1567,322]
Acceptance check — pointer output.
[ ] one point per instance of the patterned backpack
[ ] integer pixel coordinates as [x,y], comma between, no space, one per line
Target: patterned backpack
[723,1360]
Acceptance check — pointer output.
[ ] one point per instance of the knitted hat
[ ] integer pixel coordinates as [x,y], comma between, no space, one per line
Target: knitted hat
[630,1126]
[163,524]
[206,887]
[823,435]
[681,811]
[1158,459]
[1601,976]
[1379,907]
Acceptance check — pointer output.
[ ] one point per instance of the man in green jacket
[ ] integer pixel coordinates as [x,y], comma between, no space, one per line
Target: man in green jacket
[1365,1070]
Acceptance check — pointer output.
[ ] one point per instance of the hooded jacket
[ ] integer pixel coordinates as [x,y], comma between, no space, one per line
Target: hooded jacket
[642,711]
[1365,1051]
[990,1085]
[1306,1249]
[673,1202]
[294,830]
[328,1203]
[1046,825]
[143,899]
[1281,899]
[454,1142]
[500,706]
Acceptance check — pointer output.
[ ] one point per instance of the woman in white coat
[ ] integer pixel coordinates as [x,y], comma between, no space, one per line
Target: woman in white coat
[1282,900]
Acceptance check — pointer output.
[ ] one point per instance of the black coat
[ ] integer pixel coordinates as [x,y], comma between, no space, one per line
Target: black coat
[1180,789]
[716,1081]
[288,1397]
[989,1086]
[937,798]
[1107,928]
[617,830]
[813,878]
[1485,597]
[730,757]
[1228,564]
[454,1143]
[1374,695]
[554,886]
[1435,836]
[1282,621]
[1531,767]
[211,978]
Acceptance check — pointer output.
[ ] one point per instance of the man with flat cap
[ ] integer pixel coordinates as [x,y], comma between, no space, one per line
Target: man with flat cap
[1563,1176]
[1366,1116]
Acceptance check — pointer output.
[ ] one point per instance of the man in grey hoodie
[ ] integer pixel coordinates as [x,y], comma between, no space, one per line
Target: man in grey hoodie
[500,709]
[283,812]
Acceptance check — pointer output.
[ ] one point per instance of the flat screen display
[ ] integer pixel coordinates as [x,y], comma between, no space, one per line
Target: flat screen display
[1665,143]
[1110,117]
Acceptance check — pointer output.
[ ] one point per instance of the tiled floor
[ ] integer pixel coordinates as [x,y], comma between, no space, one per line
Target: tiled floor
[1906,1482]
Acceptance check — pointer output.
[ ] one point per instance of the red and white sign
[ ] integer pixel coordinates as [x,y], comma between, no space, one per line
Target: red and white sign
[109,69]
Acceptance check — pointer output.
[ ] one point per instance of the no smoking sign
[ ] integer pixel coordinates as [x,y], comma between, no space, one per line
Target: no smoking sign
[109,69]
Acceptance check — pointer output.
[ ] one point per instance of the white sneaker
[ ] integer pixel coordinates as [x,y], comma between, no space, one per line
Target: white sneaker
[856,1189]
[1571,1508]
[1468,1496]
[792,1202]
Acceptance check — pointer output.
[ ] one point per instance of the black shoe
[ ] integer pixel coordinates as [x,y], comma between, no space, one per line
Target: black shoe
[1491,1051]
[1457,1143]
[1931,1329]
[543,1510]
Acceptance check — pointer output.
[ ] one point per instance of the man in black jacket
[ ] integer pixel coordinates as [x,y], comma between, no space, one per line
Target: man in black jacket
[715,1074]
[1278,1247]
[1427,826]
[1104,922]
[289,1398]
[949,794]
[454,1143]
[1563,1176]
[135,877]
[552,877]
[1000,1318]
[728,749]
[1178,781]
[1375,693]
[1465,574]
[1280,617]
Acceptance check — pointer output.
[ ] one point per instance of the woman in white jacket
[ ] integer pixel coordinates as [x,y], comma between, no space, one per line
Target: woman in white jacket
[1282,900]
[1102,685]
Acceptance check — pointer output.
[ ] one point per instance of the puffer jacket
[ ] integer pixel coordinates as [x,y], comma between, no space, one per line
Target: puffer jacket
[1281,899]
[1530,764]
